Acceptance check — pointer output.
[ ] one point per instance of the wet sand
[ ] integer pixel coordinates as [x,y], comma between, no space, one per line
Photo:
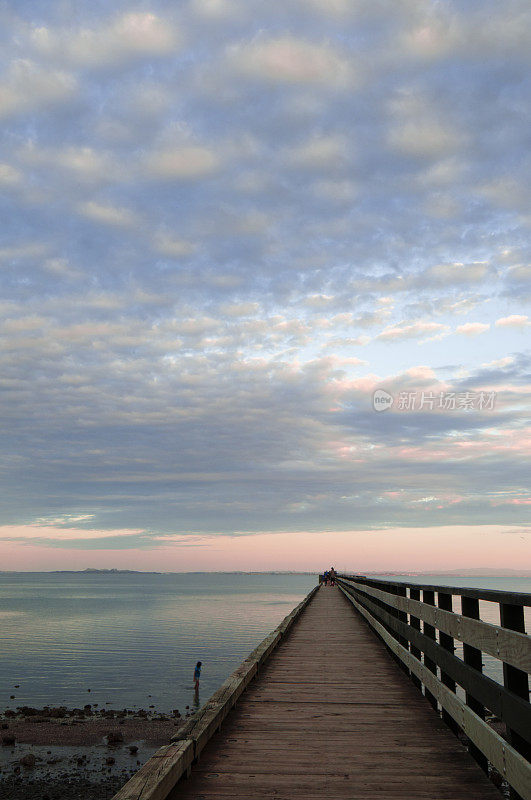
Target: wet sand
[90,732]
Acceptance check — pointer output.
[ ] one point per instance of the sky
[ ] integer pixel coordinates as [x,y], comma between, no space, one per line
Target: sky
[226,225]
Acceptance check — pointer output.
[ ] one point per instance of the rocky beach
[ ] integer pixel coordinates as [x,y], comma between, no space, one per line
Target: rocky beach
[54,753]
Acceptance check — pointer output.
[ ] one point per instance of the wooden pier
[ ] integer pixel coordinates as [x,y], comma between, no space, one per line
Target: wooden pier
[322,709]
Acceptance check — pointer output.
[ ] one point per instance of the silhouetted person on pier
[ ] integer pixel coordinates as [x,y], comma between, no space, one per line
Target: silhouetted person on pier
[332,575]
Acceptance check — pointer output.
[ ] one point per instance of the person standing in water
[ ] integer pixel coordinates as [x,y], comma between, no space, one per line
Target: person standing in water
[197,675]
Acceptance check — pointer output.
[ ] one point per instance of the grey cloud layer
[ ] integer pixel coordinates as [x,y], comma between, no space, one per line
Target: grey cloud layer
[217,218]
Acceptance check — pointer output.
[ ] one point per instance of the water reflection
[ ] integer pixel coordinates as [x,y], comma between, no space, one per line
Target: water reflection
[126,637]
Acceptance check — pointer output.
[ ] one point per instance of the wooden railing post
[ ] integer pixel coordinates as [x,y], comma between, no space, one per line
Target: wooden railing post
[515,680]
[446,641]
[388,587]
[428,596]
[472,657]
[402,615]
[415,623]
[371,584]
[393,588]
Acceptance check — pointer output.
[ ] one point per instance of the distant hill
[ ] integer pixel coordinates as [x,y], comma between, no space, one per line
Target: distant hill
[479,572]
[92,571]
[485,572]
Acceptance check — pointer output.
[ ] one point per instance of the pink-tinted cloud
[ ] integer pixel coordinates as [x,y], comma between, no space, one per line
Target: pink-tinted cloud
[472,328]
[513,321]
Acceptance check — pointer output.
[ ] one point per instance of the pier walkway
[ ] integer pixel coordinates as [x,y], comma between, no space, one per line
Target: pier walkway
[332,715]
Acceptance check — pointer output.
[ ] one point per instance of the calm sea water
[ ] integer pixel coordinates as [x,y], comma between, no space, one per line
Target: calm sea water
[133,639]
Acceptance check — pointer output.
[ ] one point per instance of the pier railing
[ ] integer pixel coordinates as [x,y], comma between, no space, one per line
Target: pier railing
[421,634]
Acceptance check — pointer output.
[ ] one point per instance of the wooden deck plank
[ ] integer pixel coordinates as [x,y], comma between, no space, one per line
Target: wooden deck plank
[330,712]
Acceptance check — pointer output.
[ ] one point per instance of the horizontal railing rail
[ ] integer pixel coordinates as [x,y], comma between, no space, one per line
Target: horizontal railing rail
[395,612]
[493,595]
[507,645]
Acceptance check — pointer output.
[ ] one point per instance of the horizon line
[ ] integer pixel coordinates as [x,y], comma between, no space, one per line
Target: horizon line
[477,572]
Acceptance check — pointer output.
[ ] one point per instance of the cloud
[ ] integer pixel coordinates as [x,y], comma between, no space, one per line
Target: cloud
[126,37]
[472,328]
[519,274]
[505,191]
[339,8]
[171,246]
[456,273]
[443,173]
[65,519]
[513,321]
[412,331]
[436,36]
[442,206]
[83,163]
[339,191]
[23,324]
[319,153]
[24,250]
[424,139]
[500,362]
[181,163]
[442,33]
[61,267]
[462,306]
[215,10]
[239,309]
[291,60]
[27,87]
[319,301]
[419,128]
[63,533]
[113,216]
[9,176]
[340,343]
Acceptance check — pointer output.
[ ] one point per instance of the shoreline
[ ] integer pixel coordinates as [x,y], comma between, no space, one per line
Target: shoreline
[87,754]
